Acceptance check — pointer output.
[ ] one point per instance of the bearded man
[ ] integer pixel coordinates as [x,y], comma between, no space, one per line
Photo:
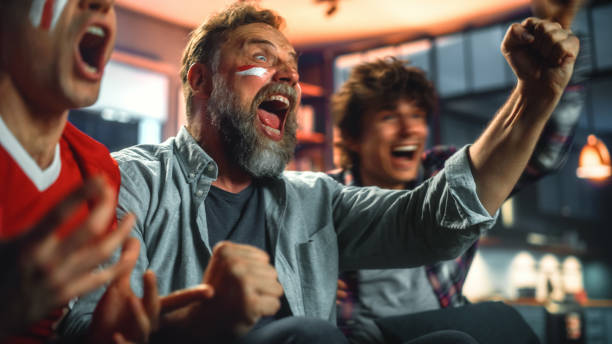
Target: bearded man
[214,206]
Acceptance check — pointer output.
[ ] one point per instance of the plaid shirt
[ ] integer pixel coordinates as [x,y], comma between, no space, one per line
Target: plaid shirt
[447,278]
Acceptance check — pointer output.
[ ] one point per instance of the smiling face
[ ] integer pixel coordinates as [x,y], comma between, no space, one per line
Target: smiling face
[255,97]
[58,51]
[391,145]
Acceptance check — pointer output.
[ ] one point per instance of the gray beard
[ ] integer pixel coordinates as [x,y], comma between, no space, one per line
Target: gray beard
[259,156]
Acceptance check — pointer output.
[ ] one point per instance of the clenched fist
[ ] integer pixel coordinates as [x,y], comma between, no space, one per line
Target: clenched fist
[542,55]
[246,284]
[245,288]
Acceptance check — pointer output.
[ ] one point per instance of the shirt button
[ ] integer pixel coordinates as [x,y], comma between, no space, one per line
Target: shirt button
[199,193]
[191,175]
[210,167]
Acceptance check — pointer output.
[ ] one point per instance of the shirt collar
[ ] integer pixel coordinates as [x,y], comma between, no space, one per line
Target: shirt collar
[194,159]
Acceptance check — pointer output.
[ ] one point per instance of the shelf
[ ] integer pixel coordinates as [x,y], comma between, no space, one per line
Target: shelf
[313,138]
[311,90]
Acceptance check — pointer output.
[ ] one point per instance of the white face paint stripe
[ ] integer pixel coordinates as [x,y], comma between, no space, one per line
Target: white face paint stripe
[256,71]
[36,12]
[38,8]
[58,9]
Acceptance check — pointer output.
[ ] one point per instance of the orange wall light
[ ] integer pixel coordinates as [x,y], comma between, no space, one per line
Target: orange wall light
[594,161]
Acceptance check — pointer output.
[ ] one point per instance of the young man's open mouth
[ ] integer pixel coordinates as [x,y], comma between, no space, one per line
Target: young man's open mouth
[91,51]
[405,154]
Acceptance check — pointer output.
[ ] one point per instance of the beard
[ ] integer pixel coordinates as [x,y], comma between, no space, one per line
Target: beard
[256,154]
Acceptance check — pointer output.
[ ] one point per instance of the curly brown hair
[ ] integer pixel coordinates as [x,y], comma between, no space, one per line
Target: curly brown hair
[205,41]
[375,86]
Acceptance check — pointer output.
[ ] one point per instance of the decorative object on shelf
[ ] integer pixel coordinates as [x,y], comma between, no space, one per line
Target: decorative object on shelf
[594,161]
[333,6]
[305,118]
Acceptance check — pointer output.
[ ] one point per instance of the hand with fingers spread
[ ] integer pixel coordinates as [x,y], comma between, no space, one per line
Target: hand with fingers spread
[42,271]
[542,55]
[561,11]
[245,289]
[185,297]
[120,315]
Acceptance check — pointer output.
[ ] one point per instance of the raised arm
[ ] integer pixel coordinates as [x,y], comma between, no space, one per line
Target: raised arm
[542,55]
[554,145]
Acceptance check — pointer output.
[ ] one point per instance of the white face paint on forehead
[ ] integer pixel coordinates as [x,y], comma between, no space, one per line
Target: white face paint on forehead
[252,70]
[44,14]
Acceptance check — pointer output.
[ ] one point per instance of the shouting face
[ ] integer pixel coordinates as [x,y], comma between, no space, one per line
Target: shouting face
[391,145]
[254,98]
[59,49]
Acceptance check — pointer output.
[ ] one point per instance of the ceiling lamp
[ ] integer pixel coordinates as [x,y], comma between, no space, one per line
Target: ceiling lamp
[594,161]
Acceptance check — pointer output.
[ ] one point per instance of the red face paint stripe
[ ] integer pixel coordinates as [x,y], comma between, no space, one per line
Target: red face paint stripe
[243,68]
[47,16]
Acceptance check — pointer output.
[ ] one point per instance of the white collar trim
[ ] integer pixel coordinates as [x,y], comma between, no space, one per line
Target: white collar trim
[41,179]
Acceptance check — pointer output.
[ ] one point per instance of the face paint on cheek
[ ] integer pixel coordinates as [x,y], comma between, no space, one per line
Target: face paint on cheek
[252,70]
[44,14]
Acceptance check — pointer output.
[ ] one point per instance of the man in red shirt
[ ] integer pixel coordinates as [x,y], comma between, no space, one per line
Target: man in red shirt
[59,187]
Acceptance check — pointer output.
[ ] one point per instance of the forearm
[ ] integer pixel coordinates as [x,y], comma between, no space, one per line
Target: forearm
[501,154]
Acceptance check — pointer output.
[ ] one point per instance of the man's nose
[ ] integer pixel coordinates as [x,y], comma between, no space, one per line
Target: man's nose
[96,5]
[286,74]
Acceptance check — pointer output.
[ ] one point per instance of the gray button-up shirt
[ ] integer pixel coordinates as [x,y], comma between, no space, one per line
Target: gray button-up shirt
[316,225]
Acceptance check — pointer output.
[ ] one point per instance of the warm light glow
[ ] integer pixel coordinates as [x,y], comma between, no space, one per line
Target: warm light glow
[523,271]
[355,19]
[478,282]
[414,47]
[594,162]
[507,213]
[572,275]
[549,273]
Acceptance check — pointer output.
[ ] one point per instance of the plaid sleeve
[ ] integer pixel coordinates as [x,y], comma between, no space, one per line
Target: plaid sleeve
[434,158]
[556,141]
[447,278]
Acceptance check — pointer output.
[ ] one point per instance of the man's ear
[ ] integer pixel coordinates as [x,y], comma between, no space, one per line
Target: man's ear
[199,79]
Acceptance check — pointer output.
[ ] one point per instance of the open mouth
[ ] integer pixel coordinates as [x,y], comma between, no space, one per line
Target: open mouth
[91,49]
[272,112]
[405,151]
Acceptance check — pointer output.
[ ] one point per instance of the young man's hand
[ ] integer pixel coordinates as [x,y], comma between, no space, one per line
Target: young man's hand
[542,55]
[41,271]
[341,292]
[561,11]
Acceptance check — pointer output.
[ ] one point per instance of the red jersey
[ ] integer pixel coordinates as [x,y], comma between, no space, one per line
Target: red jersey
[28,193]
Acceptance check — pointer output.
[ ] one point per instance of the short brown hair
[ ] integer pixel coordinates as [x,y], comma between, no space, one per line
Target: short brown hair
[206,40]
[375,86]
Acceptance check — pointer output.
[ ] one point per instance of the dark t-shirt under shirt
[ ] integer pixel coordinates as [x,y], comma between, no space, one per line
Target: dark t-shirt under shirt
[240,218]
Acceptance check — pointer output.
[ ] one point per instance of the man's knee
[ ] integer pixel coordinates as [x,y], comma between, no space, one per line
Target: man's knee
[444,337]
[296,330]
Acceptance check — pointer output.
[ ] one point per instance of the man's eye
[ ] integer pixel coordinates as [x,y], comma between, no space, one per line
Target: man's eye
[261,58]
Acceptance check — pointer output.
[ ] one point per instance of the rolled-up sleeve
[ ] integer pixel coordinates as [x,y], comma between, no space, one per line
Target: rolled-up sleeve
[436,221]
